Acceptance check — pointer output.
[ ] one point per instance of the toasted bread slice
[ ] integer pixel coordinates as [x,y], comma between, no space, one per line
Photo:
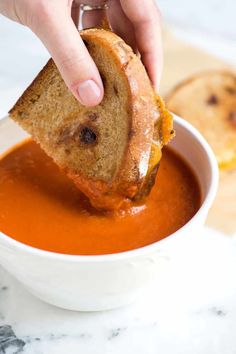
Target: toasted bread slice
[208,101]
[106,150]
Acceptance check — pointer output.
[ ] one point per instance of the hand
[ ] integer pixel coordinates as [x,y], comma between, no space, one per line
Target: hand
[137,21]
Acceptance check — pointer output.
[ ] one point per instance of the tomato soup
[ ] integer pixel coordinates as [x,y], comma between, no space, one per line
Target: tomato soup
[41,207]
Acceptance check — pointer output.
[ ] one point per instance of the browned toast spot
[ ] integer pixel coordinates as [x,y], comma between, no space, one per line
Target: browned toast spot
[87,136]
[212,100]
[93,116]
[232,118]
[230,90]
[83,134]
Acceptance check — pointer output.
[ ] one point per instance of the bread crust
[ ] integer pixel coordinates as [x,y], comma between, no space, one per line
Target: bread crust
[211,103]
[144,115]
[141,101]
[192,78]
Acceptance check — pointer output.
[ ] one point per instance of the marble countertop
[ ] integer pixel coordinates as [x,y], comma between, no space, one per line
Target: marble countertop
[190,309]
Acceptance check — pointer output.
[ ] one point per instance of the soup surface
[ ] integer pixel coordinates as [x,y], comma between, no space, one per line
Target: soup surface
[41,207]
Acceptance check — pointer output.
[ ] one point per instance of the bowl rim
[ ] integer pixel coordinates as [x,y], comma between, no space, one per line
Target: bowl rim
[151,248]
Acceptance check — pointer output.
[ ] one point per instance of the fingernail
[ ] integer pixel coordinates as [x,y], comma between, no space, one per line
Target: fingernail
[89,93]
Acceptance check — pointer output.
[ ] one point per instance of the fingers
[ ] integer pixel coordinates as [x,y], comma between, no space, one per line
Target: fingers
[121,24]
[146,20]
[117,18]
[55,27]
[75,12]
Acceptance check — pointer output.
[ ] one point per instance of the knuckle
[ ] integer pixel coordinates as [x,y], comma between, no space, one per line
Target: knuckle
[39,12]
[152,14]
[75,68]
[73,60]
[42,9]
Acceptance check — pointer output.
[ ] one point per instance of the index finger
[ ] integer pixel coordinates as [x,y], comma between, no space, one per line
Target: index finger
[146,19]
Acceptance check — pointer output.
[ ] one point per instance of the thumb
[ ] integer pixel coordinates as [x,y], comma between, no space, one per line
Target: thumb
[58,33]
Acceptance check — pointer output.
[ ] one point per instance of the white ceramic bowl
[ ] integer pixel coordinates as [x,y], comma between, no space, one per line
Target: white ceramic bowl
[92,283]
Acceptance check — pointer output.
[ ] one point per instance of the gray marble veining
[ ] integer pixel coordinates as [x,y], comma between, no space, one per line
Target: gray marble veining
[190,309]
